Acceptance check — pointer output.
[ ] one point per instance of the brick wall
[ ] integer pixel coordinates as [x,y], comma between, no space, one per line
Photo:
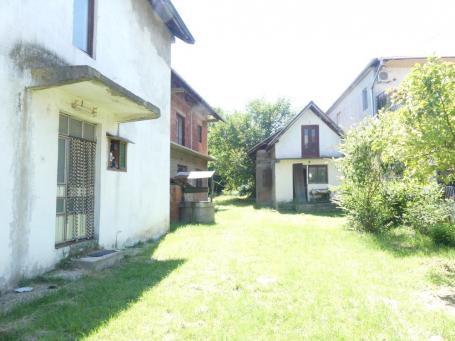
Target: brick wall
[195,115]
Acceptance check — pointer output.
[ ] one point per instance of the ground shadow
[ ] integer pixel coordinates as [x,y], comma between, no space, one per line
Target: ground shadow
[334,213]
[234,201]
[81,307]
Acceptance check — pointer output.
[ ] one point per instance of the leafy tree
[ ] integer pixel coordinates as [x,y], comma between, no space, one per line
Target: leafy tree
[426,119]
[229,142]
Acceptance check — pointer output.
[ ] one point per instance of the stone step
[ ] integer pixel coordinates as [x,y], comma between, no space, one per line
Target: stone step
[100,261]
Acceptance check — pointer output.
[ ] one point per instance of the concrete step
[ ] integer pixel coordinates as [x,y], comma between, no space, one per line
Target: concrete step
[97,263]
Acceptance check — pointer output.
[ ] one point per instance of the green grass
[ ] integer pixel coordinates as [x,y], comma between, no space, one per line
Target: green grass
[256,274]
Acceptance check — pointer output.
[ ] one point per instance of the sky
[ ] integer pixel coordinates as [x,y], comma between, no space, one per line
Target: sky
[298,49]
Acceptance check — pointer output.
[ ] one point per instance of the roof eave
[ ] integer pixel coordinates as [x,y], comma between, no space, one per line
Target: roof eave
[209,108]
[168,13]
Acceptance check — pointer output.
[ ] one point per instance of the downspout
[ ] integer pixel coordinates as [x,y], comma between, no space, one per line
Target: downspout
[373,102]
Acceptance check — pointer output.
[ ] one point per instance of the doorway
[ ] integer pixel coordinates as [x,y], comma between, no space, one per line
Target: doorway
[75,204]
[300,185]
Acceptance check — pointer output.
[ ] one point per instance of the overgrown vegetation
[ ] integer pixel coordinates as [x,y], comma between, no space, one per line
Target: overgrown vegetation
[229,142]
[395,166]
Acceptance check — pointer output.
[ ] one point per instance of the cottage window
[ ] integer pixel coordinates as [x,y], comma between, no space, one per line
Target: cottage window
[117,155]
[199,133]
[318,175]
[310,141]
[180,136]
[83,25]
[364,99]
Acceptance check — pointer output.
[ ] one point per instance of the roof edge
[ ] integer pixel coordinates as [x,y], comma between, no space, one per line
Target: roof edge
[372,63]
[172,19]
[199,97]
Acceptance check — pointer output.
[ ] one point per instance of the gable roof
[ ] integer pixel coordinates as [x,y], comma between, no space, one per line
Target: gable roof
[271,140]
[167,12]
[374,63]
[178,81]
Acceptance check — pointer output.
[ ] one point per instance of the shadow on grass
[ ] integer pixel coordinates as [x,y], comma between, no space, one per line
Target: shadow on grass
[234,201]
[81,307]
[319,213]
[403,242]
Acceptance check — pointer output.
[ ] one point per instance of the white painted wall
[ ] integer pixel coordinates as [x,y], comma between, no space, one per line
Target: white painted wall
[289,144]
[289,147]
[284,178]
[132,47]
[351,106]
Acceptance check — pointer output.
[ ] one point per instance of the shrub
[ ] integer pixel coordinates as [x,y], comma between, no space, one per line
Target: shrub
[426,208]
[444,234]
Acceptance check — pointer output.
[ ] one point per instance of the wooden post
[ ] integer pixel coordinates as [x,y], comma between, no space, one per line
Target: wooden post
[211,189]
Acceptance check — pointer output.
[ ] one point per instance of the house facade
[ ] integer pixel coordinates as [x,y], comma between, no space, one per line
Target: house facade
[84,127]
[297,164]
[190,117]
[367,94]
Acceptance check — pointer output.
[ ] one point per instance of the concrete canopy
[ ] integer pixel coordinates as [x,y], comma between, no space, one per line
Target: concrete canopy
[89,86]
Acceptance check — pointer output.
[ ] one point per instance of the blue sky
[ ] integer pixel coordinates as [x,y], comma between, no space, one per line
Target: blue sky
[299,49]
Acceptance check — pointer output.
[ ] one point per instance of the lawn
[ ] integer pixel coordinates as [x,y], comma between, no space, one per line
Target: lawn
[257,274]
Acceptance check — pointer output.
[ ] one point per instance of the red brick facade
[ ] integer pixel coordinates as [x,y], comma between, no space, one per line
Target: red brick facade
[194,116]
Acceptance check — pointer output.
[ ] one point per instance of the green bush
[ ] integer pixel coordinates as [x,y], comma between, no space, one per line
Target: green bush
[426,208]
[444,234]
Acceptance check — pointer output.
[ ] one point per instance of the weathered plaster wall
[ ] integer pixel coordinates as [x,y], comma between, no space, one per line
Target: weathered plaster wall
[132,47]
[289,144]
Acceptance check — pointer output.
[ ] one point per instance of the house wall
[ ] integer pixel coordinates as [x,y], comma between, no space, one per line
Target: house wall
[193,163]
[351,106]
[195,115]
[132,47]
[284,178]
[289,144]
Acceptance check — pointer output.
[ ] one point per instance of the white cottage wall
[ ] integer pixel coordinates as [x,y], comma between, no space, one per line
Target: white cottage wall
[289,144]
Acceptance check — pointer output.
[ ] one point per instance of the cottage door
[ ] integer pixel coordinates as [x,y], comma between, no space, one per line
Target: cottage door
[75,181]
[299,183]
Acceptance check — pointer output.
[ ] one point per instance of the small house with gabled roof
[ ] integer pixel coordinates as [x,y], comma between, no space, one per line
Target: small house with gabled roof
[296,165]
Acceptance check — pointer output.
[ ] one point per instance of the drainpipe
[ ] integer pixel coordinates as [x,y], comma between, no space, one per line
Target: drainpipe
[373,102]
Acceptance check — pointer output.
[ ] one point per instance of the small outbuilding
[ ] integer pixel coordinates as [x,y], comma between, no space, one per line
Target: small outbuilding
[296,165]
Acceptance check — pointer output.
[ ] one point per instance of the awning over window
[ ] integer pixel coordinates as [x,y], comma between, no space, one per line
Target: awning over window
[92,91]
[195,175]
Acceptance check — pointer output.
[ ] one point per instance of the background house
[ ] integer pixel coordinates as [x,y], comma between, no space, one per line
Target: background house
[84,127]
[190,116]
[296,165]
[366,95]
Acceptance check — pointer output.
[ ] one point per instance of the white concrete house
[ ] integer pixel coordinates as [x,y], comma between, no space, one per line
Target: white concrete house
[367,94]
[297,164]
[84,127]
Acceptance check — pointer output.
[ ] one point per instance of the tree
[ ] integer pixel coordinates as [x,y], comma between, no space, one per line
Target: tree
[229,142]
[427,118]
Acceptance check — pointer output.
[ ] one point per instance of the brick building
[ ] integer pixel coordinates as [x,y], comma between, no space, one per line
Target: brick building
[190,116]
